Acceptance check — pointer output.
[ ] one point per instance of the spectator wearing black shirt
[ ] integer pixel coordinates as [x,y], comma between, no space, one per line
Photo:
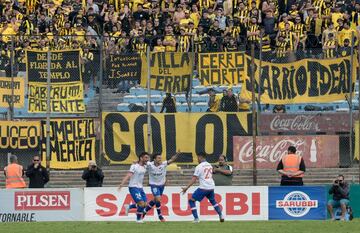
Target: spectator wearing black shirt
[169,104]
[93,175]
[229,102]
[38,175]
[140,14]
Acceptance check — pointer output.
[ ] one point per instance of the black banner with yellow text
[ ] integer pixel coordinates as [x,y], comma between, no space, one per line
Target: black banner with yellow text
[123,67]
[66,89]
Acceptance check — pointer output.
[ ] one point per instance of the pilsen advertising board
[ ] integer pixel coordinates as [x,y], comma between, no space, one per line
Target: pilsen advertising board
[237,203]
[34,205]
[318,151]
[304,123]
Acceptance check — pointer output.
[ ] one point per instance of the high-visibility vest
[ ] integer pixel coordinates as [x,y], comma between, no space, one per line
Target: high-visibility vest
[291,163]
[14,178]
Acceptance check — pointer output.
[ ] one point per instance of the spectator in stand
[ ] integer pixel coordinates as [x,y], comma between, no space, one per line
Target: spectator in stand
[37,174]
[222,173]
[229,102]
[214,101]
[93,175]
[169,104]
[345,50]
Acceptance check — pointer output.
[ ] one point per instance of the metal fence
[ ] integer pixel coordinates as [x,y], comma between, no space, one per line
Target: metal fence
[310,125]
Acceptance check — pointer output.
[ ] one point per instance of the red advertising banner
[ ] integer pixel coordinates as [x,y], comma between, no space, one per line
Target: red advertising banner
[304,123]
[320,151]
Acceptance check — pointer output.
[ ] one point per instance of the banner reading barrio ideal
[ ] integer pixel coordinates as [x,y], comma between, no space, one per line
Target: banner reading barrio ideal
[304,81]
[7,95]
[221,68]
[72,143]
[125,135]
[169,72]
[66,89]
[18,136]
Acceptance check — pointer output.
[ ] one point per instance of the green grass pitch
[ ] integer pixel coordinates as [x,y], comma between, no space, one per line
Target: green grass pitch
[184,227]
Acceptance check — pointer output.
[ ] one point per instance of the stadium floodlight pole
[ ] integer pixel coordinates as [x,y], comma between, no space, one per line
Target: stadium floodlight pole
[253,112]
[48,109]
[100,98]
[149,131]
[350,96]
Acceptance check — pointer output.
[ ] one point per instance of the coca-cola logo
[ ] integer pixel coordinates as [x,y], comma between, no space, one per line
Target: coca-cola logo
[298,123]
[269,152]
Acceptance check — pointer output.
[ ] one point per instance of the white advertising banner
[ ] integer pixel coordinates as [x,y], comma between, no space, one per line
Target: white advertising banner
[237,203]
[36,205]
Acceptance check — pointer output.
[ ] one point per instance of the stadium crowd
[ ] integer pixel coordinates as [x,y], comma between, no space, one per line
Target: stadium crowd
[282,26]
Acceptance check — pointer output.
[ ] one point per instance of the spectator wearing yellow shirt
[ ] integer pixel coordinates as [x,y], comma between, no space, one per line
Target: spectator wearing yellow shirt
[214,101]
[195,15]
[169,39]
[347,33]
[159,47]
[185,21]
[284,21]
[329,46]
[336,15]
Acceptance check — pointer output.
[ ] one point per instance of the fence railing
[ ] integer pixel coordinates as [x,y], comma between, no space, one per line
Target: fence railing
[307,97]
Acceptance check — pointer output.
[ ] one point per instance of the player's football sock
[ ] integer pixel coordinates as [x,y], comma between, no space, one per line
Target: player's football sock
[216,207]
[149,206]
[139,213]
[132,206]
[193,209]
[158,209]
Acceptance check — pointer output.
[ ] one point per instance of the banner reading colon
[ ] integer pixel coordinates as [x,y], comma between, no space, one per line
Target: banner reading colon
[304,81]
[7,95]
[169,72]
[225,68]
[125,135]
[66,89]
[72,143]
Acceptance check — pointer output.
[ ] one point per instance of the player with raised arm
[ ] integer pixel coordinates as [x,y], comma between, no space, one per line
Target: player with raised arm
[203,172]
[136,176]
[157,180]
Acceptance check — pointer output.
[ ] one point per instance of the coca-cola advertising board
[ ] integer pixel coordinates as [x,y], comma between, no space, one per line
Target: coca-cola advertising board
[304,123]
[36,205]
[236,202]
[320,151]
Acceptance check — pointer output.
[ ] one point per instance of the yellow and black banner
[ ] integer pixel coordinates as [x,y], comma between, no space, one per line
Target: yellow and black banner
[72,143]
[225,68]
[18,136]
[66,89]
[6,97]
[304,81]
[125,135]
[169,72]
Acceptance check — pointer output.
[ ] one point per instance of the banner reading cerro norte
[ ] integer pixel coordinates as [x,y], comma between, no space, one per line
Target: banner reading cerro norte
[125,135]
